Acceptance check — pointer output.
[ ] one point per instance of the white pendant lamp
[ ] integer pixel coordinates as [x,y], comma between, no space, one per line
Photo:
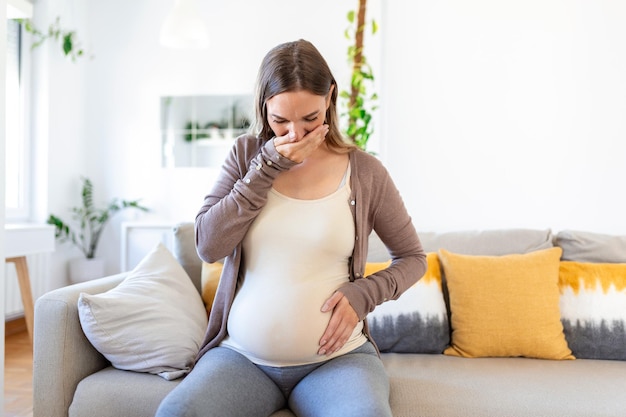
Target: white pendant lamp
[183,28]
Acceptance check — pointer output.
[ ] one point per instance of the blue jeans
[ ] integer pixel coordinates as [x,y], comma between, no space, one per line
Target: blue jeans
[225,383]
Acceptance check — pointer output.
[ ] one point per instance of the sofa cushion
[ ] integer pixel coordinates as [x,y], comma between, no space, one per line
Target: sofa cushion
[505,305]
[488,242]
[417,322]
[591,247]
[448,386]
[593,312]
[184,250]
[113,393]
[153,321]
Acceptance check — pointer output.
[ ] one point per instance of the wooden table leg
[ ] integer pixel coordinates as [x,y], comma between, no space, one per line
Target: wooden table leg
[23,280]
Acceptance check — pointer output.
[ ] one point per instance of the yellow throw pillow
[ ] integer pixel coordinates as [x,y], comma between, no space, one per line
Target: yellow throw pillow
[209,281]
[373,267]
[505,305]
[432,273]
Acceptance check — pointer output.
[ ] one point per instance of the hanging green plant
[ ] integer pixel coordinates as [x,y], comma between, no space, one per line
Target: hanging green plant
[359,103]
[68,39]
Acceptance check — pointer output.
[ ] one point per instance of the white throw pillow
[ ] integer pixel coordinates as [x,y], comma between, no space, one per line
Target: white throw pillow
[154,321]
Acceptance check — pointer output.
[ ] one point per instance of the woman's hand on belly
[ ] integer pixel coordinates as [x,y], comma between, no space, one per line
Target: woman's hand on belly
[342,322]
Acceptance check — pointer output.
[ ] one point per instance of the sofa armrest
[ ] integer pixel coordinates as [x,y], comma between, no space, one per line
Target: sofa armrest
[62,355]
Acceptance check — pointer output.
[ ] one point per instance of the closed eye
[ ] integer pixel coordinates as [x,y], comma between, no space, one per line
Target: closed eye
[311,117]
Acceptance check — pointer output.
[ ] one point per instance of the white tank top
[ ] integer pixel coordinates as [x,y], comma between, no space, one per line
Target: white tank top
[295,255]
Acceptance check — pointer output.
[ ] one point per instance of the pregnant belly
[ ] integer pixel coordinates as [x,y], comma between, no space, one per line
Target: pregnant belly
[277,326]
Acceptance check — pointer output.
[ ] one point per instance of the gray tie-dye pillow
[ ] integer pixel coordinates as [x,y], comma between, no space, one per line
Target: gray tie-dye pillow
[593,293]
[593,309]
[417,322]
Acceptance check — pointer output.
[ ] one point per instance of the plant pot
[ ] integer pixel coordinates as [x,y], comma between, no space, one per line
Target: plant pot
[83,269]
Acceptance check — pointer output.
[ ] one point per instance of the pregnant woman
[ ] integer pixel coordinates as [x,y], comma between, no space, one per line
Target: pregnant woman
[291,212]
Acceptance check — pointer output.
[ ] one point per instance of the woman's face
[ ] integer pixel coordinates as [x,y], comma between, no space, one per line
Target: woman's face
[299,112]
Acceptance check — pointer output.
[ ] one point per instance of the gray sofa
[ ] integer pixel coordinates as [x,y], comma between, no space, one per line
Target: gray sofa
[72,378]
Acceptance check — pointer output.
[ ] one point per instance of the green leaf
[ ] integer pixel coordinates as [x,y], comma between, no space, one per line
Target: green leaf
[355,113]
[351,52]
[357,77]
[67,43]
[351,16]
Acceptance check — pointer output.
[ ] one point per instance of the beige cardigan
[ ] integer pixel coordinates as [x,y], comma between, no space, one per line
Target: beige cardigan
[241,191]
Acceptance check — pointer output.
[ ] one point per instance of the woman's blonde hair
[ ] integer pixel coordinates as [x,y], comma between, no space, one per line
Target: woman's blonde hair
[296,66]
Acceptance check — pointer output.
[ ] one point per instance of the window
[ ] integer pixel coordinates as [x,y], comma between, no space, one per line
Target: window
[17,144]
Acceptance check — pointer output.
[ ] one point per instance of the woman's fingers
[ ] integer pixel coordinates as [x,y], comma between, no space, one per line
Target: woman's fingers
[342,322]
[298,150]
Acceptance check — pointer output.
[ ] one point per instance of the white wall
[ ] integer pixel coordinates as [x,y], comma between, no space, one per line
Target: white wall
[493,114]
[507,114]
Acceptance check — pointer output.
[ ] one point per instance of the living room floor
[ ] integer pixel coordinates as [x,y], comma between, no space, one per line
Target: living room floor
[18,372]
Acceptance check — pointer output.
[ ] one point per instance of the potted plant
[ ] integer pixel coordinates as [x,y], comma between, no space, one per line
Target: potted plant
[91,221]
